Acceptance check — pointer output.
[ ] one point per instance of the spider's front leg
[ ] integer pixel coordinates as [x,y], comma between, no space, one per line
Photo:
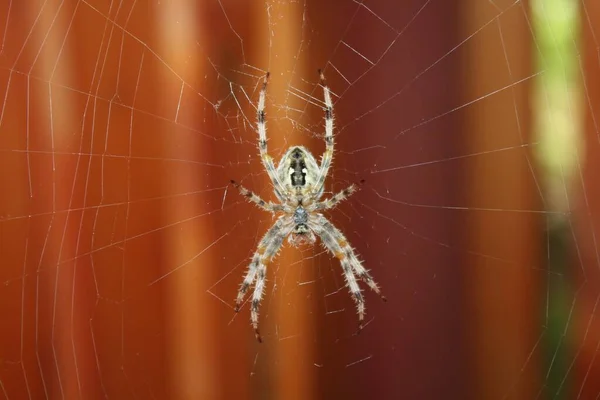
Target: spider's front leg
[329,140]
[261,127]
[257,270]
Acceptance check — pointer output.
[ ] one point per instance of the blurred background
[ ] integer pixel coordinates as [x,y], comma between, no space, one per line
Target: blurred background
[474,123]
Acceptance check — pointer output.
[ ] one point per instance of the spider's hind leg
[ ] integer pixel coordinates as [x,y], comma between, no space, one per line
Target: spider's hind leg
[330,243]
[257,297]
[337,244]
[354,288]
[248,280]
[257,270]
[348,251]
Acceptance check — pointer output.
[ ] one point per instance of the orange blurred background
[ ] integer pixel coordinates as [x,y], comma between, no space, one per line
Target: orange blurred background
[123,247]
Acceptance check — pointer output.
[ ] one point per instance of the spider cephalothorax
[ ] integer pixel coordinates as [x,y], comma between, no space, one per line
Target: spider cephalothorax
[298,183]
[301,233]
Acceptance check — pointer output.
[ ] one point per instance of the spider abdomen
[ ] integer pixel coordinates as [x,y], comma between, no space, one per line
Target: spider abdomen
[298,168]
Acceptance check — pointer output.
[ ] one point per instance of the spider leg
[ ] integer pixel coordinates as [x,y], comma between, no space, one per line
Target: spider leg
[261,126]
[336,243]
[254,198]
[336,199]
[330,243]
[257,270]
[329,142]
[248,280]
[357,266]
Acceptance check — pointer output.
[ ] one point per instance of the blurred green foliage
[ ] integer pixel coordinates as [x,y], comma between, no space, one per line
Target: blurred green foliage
[557,110]
[557,128]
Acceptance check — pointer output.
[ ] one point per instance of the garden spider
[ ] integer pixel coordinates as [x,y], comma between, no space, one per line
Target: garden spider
[298,183]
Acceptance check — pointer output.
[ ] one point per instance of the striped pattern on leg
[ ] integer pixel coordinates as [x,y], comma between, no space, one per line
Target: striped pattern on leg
[261,125]
[331,244]
[327,157]
[348,251]
[336,199]
[268,247]
[254,198]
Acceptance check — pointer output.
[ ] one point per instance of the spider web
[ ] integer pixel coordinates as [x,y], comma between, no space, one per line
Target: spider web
[123,245]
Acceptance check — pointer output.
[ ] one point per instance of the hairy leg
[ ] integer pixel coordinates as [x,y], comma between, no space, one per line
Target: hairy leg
[267,249]
[254,198]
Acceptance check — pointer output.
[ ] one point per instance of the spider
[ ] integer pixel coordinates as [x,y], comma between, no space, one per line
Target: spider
[298,183]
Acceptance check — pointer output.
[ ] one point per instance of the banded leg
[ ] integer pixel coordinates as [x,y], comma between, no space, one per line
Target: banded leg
[248,280]
[261,126]
[279,229]
[336,199]
[267,248]
[331,244]
[254,198]
[357,266]
[327,157]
